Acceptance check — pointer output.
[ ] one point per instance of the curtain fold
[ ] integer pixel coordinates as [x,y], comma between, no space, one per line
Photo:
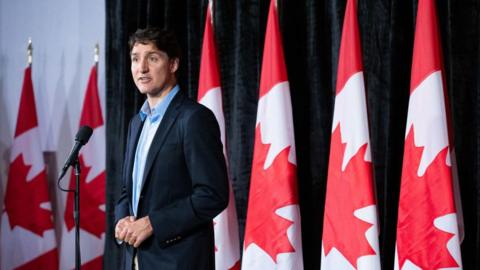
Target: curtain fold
[311,36]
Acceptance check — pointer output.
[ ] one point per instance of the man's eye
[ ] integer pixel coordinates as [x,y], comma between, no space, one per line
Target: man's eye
[134,59]
[153,58]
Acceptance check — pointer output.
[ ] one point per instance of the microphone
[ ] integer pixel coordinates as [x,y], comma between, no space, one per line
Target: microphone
[82,137]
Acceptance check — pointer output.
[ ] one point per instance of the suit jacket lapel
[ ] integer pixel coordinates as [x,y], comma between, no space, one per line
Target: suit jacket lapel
[162,131]
[136,127]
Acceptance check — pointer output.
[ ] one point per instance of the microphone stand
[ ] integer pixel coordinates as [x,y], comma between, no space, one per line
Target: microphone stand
[83,134]
[76,209]
[76,213]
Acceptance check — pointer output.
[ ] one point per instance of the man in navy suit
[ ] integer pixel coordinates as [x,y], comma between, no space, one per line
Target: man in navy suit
[174,173]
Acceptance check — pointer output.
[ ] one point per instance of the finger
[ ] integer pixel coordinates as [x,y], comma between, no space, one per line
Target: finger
[118,231]
[119,227]
[132,240]
[138,241]
[128,235]
[122,221]
[122,234]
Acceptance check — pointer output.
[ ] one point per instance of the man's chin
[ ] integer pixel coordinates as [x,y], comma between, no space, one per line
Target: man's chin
[144,90]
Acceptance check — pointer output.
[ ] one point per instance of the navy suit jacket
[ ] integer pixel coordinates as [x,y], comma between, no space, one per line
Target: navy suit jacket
[184,187]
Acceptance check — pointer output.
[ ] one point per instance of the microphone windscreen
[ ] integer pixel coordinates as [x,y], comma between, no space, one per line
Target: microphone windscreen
[83,134]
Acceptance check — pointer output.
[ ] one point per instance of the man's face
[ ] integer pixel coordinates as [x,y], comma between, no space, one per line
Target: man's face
[152,69]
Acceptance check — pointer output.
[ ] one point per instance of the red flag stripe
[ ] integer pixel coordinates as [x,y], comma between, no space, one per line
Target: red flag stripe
[209,72]
[427,51]
[274,69]
[27,112]
[350,56]
[92,111]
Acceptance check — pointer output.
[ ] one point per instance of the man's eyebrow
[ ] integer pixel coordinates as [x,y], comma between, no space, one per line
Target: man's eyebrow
[154,52]
[147,53]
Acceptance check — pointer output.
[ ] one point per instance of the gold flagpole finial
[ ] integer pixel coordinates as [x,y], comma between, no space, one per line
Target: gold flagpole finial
[29,51]
[210,6]
[97,53]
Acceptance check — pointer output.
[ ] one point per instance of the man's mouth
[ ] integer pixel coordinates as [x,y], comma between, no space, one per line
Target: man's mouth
[144,79]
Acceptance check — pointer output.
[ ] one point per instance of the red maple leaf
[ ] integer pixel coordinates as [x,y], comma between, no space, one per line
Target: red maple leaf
[347,191]
[422,200]
[23,199]
[92,196]
[270,190]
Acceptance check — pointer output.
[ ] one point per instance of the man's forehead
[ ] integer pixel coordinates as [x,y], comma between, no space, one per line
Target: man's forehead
[148,47]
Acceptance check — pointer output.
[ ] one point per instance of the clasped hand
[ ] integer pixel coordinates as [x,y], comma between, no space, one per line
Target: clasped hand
[133,231]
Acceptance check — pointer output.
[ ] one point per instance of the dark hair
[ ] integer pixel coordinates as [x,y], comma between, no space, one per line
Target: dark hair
[165,40]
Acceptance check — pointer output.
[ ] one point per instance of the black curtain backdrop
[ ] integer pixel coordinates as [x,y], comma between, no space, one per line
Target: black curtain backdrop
[311,37]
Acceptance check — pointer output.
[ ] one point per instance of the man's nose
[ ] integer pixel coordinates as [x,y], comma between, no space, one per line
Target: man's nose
[144,66]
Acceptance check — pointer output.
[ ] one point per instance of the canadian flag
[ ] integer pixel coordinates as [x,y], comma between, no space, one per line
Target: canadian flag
[427,231]
[350,227]
[92,189]
[27,232]
[227,246]
[273,229]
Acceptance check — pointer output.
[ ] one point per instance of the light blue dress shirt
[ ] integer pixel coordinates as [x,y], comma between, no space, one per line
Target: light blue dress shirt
[151,118]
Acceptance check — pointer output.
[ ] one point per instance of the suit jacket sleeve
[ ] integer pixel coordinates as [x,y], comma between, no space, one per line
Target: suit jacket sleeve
[122,205]
[206,166]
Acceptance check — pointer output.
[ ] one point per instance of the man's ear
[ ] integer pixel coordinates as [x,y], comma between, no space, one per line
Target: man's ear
[174,63]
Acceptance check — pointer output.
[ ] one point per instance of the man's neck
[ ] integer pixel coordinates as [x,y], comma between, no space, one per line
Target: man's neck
[154,100]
